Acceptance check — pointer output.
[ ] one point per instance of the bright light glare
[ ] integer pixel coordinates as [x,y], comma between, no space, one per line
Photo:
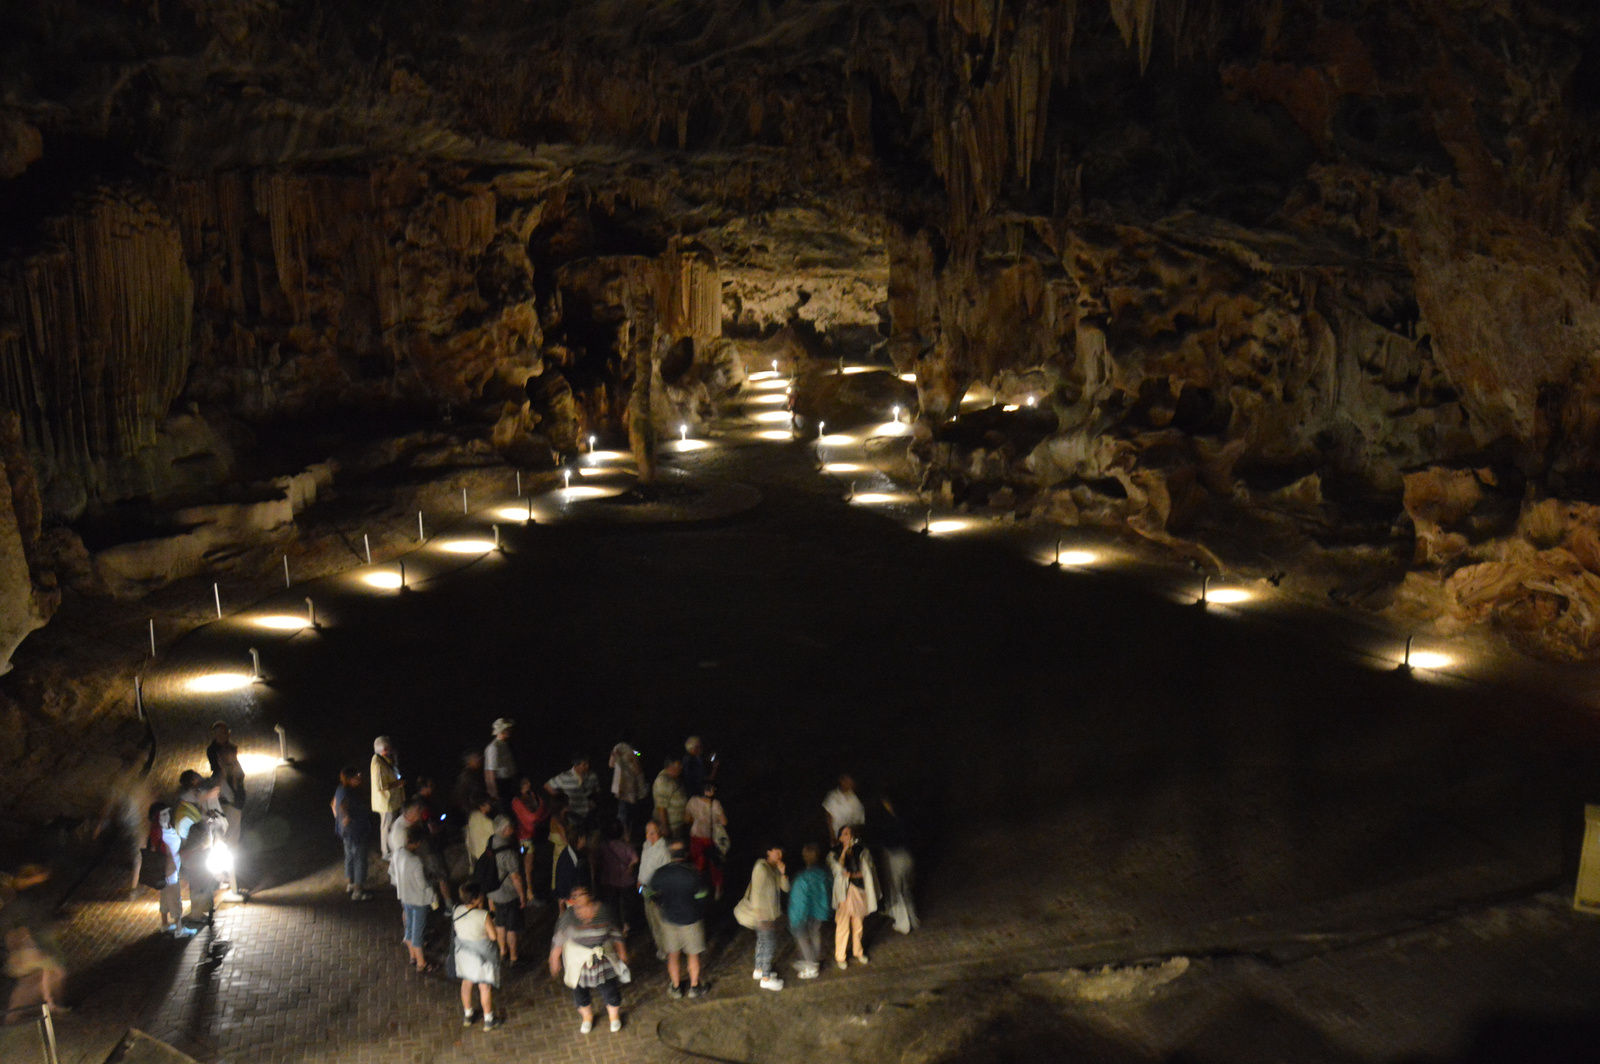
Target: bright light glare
[1430,659]
[1228,596]
[771,416]
[837,439]
[765,400]
[764,375]
[844,467]
[383,580]
[775,434]
[693,445]
[1079,557]
[215,682]
[609,456]
[775,384]
[909,378]
[512,513]
[953,524]
[466,546]
[256,764]
[874,497]
[1010,407]
[892,428]
[282,622]
[858,369]
[219,859]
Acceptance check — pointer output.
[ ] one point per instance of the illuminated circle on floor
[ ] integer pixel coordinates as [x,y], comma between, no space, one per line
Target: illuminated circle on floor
[1228,596]
[256,764]
[851,370]
[609,456]
[1079,557]
[777,383]
[1430,659]
[589,491]
[282,622]
[383,579]
[771,416]
[766,400]
[837,439]
[691,445]
[217,682]
[512,513]
[465,546]
[950,524]
[892,428]
[765,375]
[844,467]
[775,434]
[876,497]
[909,378]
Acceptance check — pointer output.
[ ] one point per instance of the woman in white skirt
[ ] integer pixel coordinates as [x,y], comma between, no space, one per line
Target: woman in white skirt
[477,954]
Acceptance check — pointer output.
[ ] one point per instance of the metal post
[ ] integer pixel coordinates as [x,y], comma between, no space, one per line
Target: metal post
[1406,662]
[402,575]
[152,637]
[283,743]
[852,496]
[1205,586]
[1058,552]
[286,582]
[530,509]
[47,1035]
[311,612]
[496,536]
[927,522]
[367,542]
[567,474]
[519,481]
[422,537]
[138,698]
[255,664]
[463,500]
[216,593]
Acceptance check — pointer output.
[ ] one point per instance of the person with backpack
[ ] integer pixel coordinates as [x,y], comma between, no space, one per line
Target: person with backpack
[193,824]
[499,875]
[475,950]
[160,865]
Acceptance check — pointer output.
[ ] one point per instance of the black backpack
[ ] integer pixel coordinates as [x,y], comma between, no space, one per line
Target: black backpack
[486,870]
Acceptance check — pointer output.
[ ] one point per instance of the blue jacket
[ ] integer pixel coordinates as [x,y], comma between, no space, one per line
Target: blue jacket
[809,896]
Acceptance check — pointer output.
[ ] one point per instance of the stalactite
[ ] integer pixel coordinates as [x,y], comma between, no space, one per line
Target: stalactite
[94,331]
[690,295]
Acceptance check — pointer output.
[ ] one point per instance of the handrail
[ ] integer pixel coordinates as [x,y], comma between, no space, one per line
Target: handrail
[47,1030]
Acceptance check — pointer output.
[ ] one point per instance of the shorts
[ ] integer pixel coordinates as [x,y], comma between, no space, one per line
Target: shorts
[416,921]
[508,915]
[610,993]
[683,938]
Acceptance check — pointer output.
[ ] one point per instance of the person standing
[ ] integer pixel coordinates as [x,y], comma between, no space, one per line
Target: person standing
[616,867]
[163,841]
[480,827]
[352,825]
[671,803]
[417,895]
[469,785]
[762,909]
[510,893]
[627,786]
[706,821]
[33,956]
[589,944]
[898,868]
[580,785]
[573,868]
[532,813]
[681,893]
[477,954]
[499,764]
[223,757]
[696,770]
[843,807]
[808,908]
[855,894]
[193,825]
[652,857]
[388,789]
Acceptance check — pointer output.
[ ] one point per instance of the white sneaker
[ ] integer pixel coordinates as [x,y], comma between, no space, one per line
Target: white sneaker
[772,982]
[616,1025]
[586,1026]
[810,971]
[758,974]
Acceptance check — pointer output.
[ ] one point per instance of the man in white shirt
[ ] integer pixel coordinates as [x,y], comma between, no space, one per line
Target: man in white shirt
[499,764]
[843,807]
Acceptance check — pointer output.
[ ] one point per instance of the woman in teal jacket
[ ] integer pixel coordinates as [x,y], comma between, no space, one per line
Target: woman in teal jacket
[810,903]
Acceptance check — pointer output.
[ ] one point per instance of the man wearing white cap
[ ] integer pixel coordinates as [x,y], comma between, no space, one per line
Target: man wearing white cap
[499,764]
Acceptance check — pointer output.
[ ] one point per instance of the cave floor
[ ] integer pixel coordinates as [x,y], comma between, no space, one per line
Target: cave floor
[1274,851]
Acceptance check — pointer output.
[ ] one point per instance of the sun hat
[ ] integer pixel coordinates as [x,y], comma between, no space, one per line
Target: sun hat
[501,724]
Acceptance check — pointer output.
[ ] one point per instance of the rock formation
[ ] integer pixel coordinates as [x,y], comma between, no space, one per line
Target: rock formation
[1239,264]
